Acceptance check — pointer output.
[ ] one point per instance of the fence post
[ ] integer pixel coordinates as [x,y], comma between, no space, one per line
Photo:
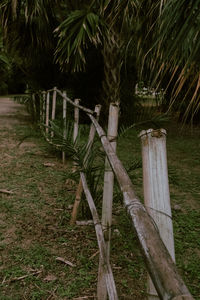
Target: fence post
[53,113]
[80,186]
[43,106]
[76,120]
[108,199]
[156,190]
[47,112]
[64,122]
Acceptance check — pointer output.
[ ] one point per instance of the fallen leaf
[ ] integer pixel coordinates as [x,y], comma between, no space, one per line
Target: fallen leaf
[67,262]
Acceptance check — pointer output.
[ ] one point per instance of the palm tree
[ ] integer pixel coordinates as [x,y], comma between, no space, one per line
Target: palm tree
[106,24]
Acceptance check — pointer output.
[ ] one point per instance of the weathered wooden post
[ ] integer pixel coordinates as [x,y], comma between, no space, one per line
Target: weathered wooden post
[64,121]
[156,190]
[47,112]
[108,199]
[53,112]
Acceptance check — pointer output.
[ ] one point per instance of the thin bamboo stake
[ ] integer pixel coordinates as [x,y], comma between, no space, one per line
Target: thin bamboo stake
[43,106]
[53,113]
[47,112]
[41,110]
[108,198]
[64,122]
[110,283]
[156,190]
[80,187]
[76,120]
[76,125]
[34,107]
[159,263]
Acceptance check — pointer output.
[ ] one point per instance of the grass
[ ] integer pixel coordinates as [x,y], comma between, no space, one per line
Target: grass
[35,230]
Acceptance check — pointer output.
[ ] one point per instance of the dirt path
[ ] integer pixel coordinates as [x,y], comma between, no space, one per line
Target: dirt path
[12,113]
[34,215]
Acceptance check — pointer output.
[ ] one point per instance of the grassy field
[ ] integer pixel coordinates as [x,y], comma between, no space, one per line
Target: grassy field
[35,235]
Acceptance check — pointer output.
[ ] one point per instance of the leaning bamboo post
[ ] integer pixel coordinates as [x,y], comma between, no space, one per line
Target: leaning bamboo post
[108,198]
[156,190]
[64,122]
[109,279]
[159,263]
[53,113]
[76,120]
[47,112]
[80,186]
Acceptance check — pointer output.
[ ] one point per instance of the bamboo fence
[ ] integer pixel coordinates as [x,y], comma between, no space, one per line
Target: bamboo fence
[159,263]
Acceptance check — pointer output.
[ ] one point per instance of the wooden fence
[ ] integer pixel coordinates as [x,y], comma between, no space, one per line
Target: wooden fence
[160,266]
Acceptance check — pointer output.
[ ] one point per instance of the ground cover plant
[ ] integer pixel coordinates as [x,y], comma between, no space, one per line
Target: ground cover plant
[43,257]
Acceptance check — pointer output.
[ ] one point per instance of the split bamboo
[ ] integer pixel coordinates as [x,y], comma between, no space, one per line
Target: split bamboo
[110,283]
[156,190]
[159,263]
[108,198]
[64,122]
[47,112]
[80,187]
[53,113]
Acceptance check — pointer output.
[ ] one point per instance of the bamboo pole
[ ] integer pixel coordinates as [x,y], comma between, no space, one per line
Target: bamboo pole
[108,198]
[34,107]
[110,283]
[64,122]
[47,112]
[76,120]
[159,263]
[41,110]
[43,106]
[53,113]
[156,190]
[80,187]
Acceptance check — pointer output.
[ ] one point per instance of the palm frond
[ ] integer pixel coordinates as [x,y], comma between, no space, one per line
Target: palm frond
[80,28]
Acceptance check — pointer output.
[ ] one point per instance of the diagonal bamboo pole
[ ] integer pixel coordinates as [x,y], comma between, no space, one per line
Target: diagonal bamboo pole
[160,265]
[80,187]
[110,283]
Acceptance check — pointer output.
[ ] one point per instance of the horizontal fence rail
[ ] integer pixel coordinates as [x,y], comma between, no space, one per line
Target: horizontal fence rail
[159,264]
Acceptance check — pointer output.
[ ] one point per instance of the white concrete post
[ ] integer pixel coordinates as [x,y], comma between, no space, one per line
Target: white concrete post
[156,190]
